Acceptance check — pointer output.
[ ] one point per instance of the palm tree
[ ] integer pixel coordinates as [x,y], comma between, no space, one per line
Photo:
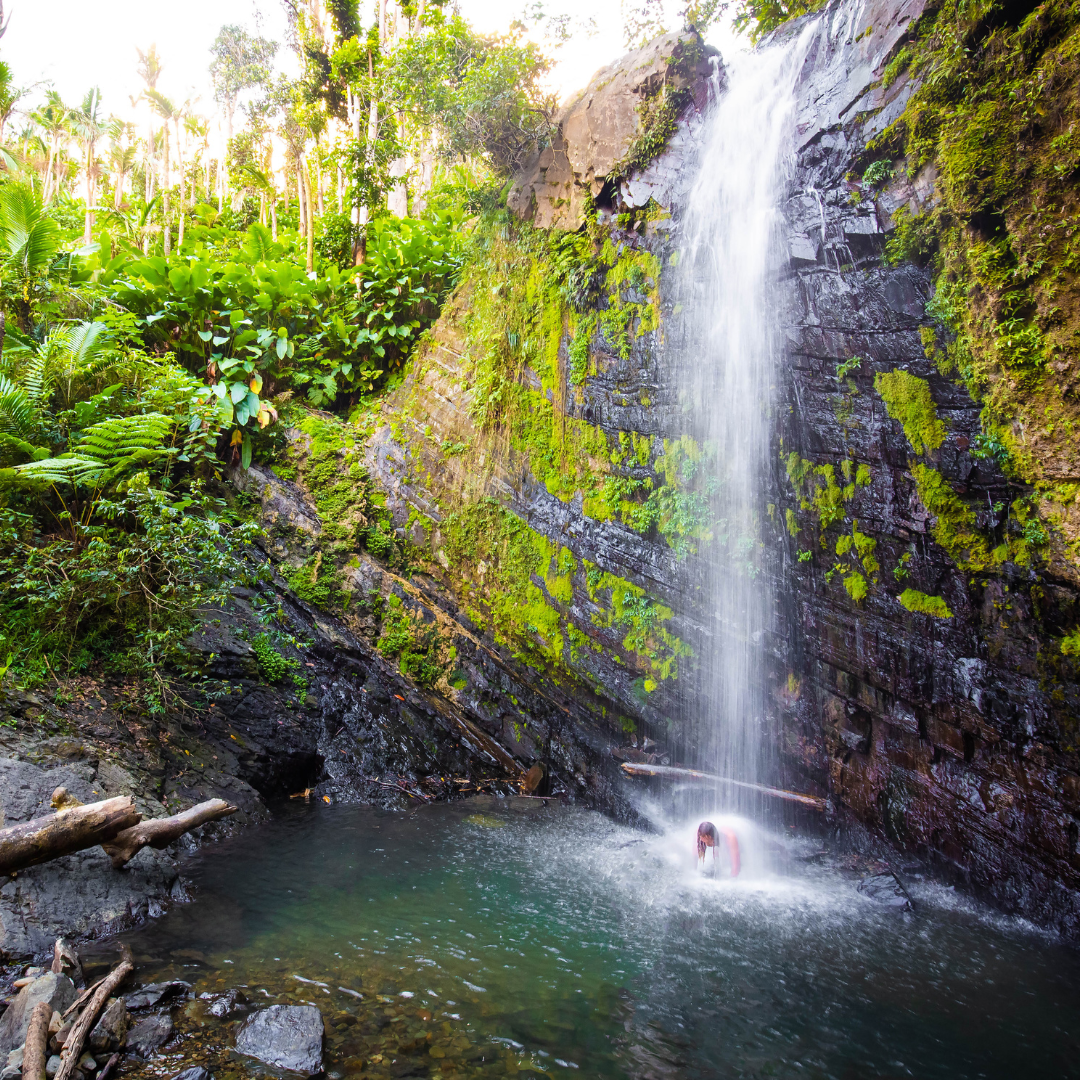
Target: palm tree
[10,95]
[149,69]
[198,129]
[121,156]
[89,126]
[28,244]
[169,113]
[54,118]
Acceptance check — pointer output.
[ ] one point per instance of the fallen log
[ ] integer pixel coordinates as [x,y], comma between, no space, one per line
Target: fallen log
[160,832]
[634,769]
[76,1040]
[69,830]
[37,1039]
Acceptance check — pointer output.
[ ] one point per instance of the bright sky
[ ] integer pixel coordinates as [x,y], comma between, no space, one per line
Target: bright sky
[77,45]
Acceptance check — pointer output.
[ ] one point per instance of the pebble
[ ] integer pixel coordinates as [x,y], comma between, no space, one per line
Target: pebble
[52,1066]
[87,1063]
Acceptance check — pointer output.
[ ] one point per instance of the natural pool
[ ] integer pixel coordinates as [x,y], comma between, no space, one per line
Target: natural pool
[506,937]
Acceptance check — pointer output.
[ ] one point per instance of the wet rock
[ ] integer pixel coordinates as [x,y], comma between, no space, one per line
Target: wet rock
[286,1036]
[52,1066]
[231,1003]
[146,997]
[885,888]
[196,1072]
[108,1033]
[57,990]
[149,1034]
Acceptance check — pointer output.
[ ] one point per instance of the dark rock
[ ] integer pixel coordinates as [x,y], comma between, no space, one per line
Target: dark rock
[146,997]
[52,1066]
[885,888]
[196,1072]
[149,1034]
[108,1033]
[286,1036]
[57,990]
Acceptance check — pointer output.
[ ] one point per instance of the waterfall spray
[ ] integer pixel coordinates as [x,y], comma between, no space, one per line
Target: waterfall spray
[731,258]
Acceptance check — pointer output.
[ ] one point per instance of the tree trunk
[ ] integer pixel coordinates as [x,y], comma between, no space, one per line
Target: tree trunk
[58,834]
[165,195]
[310,221]
[160,832]
[676,773]
[88,224]
[76,1039]
[299,201]
[36,1045]
[273,219]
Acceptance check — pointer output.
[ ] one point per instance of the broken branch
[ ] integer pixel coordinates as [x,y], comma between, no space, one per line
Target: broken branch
[64,832]
[76,1040]
[37,1038]
[160,832]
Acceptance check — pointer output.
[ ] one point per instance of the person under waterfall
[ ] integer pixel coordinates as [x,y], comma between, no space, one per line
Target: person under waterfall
[708,836]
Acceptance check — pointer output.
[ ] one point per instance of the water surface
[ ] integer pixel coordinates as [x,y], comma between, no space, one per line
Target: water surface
[503,937]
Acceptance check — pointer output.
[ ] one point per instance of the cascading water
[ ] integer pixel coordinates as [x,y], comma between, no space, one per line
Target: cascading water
[731,257]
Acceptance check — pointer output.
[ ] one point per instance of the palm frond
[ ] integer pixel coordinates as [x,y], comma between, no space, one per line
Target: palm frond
[30,238]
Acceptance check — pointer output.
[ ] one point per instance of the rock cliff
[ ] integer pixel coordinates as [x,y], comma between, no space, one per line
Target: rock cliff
[930,701]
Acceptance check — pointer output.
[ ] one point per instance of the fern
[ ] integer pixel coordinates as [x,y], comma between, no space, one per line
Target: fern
[105,452]
[18,413]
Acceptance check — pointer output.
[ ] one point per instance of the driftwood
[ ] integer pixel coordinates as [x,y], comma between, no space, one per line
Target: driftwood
[66,831]
[35,1050]
[160,832]
[634,769]
[76,1040]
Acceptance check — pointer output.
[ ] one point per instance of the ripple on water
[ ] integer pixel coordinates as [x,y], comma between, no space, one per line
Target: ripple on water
[438,944]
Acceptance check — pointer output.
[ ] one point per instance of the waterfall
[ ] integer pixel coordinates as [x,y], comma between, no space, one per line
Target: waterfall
[731,257]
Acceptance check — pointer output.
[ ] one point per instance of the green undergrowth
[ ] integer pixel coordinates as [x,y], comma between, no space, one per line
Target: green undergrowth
[522,586]
[420,650]
[996,112]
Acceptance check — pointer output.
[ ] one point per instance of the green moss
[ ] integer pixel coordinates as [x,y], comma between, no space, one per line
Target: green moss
[792,522]
[955,527]
[318,582]
[907,399]
[417,646]
[996,111]
[919,602]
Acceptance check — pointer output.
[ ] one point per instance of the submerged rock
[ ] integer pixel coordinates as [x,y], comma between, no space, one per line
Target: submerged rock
[146,997]
[287,1036]
[196,1072]
[230,1003]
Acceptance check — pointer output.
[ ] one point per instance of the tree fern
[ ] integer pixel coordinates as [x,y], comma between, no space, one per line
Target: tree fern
[18,412]
[105,452]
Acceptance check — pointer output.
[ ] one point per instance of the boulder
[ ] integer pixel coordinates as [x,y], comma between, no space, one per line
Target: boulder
[57,990]
[285,1036]
[149,1034]
[596,131]
[108,1033]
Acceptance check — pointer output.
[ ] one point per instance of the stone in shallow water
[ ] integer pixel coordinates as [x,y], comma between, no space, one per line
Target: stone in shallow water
[287,1036]
[110,1028]
[146,997]
[227,1004]
[149,1034]
[196,1072]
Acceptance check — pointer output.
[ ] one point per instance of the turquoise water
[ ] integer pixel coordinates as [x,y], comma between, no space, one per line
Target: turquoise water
[503,937]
